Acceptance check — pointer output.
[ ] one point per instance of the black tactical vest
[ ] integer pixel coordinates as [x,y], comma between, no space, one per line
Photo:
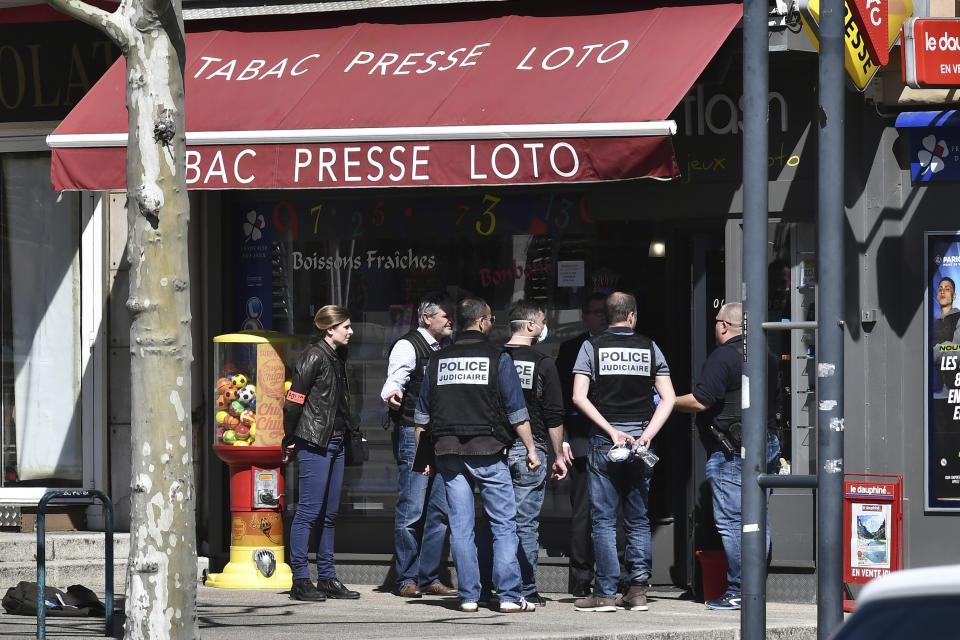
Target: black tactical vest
[411,391]
[527,360]
[625,368]
[465,392]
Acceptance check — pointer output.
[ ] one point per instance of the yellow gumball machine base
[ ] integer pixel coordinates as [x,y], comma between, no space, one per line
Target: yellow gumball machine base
[242,572]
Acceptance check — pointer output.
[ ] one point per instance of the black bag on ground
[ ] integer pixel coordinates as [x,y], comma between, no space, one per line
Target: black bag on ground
[78,601]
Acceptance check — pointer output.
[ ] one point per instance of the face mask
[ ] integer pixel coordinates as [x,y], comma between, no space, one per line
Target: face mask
[543,334]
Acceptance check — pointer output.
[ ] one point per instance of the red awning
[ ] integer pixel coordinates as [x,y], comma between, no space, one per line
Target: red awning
[509,99]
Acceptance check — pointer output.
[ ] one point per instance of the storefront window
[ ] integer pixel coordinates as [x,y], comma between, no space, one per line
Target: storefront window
[378,256]
[39,235]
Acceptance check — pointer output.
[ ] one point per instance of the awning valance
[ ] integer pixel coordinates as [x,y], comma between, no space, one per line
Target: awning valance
[504,99]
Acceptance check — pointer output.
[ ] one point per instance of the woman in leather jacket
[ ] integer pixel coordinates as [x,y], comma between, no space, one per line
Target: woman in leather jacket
[316,415]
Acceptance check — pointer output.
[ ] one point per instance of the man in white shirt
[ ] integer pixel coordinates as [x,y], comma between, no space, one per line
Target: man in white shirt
[420,522]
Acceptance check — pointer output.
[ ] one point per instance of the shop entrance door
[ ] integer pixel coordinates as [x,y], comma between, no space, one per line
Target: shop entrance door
[681,514]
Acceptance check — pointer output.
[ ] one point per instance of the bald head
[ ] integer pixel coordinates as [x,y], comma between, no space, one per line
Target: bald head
[729,321]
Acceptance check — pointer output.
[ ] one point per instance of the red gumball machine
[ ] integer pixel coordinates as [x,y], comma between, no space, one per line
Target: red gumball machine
[252,380]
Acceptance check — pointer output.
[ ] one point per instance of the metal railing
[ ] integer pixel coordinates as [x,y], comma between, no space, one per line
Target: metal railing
[42,553]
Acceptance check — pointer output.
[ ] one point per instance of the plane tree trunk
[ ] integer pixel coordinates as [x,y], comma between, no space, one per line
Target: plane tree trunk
[161,586]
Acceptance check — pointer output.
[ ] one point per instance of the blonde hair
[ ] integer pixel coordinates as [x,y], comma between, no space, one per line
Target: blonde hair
[328,317]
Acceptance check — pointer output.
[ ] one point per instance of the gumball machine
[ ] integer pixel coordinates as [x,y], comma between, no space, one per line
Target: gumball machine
[252,375]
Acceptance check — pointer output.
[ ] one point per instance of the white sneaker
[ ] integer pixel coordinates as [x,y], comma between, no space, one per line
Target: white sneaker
[468,607]
[522,606]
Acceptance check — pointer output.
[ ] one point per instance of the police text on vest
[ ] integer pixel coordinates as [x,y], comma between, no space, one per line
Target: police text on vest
[463,371]
[624,361]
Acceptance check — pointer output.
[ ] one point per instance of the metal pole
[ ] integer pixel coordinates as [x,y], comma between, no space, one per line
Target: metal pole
[830,230]
[753,546]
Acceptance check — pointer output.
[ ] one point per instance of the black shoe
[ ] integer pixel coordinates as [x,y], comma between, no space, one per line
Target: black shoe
[581,590]
[536,598]
[303,589]
[333,588]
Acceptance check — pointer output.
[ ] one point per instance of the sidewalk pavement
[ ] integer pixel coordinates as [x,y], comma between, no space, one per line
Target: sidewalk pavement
[229,614]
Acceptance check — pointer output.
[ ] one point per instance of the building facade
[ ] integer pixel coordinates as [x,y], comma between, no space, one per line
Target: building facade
[268,257]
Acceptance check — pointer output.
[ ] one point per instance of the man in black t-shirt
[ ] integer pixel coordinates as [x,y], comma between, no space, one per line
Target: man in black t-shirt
[719,386]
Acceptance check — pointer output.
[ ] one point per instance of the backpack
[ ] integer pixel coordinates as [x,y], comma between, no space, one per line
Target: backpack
[78,601]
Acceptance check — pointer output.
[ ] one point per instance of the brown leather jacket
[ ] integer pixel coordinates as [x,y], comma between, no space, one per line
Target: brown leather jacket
[310,407]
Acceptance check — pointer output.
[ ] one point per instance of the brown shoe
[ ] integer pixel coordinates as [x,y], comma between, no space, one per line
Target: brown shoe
[408,590]
[635,599]
[595,603]
[439,589]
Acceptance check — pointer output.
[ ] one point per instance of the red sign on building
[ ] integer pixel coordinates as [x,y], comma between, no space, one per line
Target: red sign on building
[872,527]
[931,52]
[872,19]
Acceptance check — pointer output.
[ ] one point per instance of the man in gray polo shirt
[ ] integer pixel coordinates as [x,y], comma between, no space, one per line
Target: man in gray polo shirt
[615,378]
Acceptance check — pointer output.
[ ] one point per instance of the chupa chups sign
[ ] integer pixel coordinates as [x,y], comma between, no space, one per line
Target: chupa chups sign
[931,52]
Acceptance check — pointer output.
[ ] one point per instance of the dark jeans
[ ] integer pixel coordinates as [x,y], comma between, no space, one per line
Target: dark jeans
[420,520]
[581,546]
[321,478]
[614,485]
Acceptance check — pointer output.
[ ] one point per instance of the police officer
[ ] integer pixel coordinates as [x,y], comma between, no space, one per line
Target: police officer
[542,392]
[471,404]
[719,389]
[616,374]
[420,519]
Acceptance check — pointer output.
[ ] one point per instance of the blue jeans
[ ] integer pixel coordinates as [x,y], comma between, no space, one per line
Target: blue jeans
[420,521]
[321,478]
[529,488]
[489,474]
[612,484]
[724,474]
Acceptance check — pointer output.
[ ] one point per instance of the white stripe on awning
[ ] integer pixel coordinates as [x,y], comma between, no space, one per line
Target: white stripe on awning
[389,134]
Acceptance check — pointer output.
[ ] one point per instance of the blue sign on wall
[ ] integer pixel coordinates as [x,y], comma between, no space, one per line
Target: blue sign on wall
[934,145]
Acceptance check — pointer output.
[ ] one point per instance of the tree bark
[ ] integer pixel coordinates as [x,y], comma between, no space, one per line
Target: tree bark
[161,584]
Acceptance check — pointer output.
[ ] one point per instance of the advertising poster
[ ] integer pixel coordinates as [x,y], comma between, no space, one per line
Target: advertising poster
[870,546]
[253,272]
[942,357]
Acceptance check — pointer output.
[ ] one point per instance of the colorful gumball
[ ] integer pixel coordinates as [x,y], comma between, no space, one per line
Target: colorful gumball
[236,408]
[231,422]
[229,436]
[230,395]
[221,415]
[223,384]
[248,417]
[243,432]
[239,380]
[241,443]
[253,405]
[222,403]
[286,385]
[247,394]
[220,432]
[253,432]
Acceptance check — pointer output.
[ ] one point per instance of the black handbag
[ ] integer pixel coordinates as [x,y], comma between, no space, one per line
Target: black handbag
[356,447]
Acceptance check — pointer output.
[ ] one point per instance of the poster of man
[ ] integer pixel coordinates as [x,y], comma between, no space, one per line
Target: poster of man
[943,371]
